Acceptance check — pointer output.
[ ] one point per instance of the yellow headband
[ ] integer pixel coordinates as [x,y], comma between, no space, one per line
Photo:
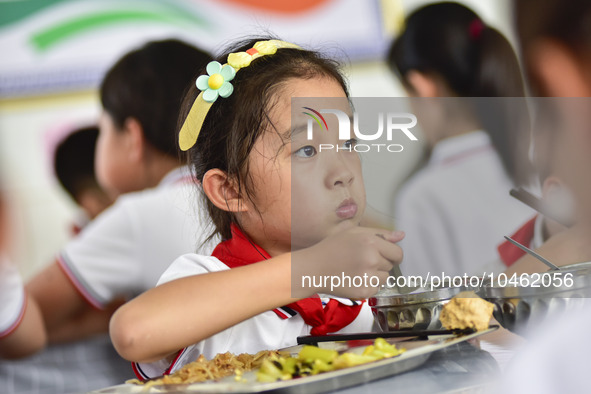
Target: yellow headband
[217,83]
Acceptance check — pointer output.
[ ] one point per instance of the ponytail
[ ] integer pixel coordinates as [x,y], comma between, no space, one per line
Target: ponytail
[505,121]
[496,72]
[475,60]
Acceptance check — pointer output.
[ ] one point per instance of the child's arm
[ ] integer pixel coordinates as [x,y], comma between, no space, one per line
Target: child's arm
[186,311]
[58,299]
[28,337]
[90,321]
[23,332]
[104,256]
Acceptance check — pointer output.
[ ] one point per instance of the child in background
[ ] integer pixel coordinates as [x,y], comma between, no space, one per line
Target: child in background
[556,43]
[74,168]
[455,208]
[557,201]
[119,254]
[124,250]
[561,148]
[241,298]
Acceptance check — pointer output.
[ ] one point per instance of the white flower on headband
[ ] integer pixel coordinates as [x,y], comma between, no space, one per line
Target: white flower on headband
[217,83]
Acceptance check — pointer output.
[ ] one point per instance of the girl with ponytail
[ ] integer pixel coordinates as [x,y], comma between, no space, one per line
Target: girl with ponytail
[457,206]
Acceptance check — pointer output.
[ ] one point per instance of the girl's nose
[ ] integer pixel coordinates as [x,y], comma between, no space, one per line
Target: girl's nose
[339,173]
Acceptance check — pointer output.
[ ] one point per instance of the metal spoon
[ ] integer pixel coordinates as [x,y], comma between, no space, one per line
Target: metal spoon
[531,252]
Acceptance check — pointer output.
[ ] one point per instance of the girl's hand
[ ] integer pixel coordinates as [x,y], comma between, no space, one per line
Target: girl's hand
[350,264]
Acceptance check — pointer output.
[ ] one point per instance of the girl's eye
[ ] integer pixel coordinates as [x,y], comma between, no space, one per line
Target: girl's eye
[306,151]
[350,144]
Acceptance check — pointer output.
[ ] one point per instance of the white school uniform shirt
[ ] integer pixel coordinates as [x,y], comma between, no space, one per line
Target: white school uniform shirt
[265,331]
[457,209]
[12,297]
[124,250]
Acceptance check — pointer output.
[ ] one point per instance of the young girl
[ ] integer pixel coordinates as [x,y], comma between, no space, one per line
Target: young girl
[242,298]
[556,198]
[556,40]
[458,203]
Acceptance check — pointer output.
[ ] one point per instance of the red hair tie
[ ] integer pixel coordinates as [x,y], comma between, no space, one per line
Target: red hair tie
[475,29]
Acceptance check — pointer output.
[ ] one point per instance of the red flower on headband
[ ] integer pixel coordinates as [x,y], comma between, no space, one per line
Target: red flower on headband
[475,29]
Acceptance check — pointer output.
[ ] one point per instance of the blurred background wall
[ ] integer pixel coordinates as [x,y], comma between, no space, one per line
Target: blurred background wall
[54,53]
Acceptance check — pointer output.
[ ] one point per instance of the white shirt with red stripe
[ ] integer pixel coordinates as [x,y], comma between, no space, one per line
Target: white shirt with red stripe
[124,250]
[266,331]
[456,210]
[12,297]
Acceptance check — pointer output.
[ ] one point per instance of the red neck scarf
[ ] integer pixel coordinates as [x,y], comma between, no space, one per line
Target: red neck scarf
[239,251]
[510,253]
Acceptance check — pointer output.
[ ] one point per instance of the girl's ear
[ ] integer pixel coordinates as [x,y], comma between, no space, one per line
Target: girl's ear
[136,141]
[222,191]
[550,185]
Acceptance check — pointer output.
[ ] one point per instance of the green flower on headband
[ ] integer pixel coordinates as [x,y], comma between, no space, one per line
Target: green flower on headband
[217,83]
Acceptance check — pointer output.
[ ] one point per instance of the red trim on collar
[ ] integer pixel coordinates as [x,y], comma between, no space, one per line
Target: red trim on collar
[510,253]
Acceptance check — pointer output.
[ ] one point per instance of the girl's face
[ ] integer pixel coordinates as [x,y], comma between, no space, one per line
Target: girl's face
[303,194]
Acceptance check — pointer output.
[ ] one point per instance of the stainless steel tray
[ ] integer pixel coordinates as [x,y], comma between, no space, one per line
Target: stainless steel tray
[417,353]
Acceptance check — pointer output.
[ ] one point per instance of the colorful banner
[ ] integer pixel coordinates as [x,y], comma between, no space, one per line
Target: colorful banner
[59,45]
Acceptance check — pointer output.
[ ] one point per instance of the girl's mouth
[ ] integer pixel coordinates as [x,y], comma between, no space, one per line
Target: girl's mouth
[347,209]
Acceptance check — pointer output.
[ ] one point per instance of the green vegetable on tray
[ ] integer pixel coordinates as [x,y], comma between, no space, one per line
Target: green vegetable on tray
[313,360]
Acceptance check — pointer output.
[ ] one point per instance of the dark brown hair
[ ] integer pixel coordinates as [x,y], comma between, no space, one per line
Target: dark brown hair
[148,84]
[234,124]
[73,161]
[450,41]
